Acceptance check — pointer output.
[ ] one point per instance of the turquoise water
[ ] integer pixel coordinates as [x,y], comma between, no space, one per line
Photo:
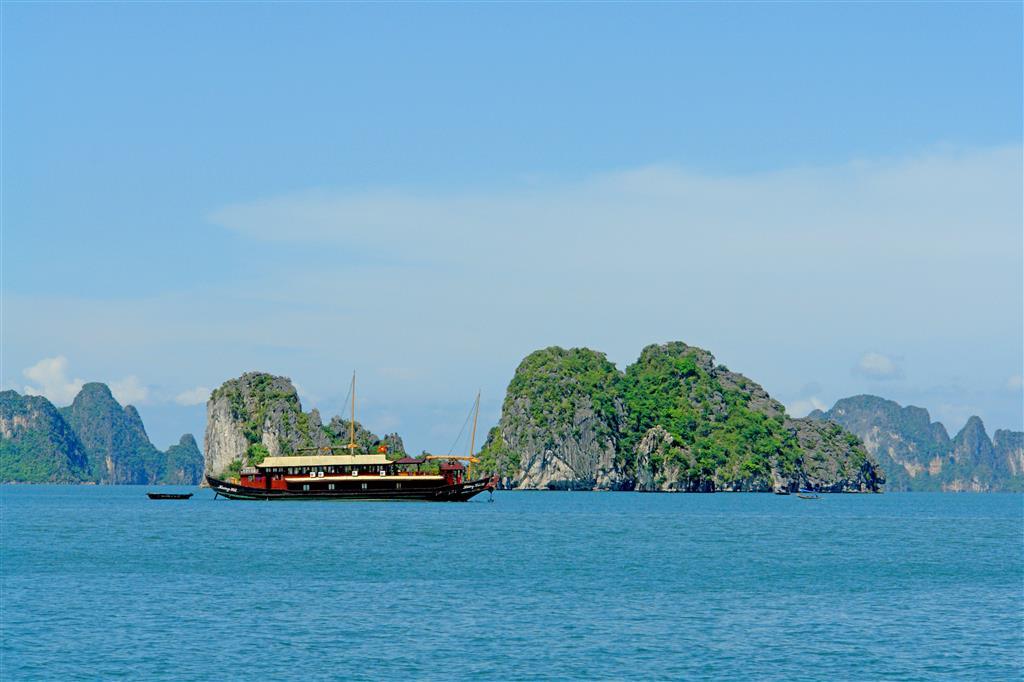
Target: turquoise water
[102,583]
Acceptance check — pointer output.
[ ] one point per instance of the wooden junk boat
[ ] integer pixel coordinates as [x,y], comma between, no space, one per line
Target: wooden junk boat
[327,475]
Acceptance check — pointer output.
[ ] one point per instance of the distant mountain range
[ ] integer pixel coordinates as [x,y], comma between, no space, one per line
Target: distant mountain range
[93,440]
[673,421]
[918,454]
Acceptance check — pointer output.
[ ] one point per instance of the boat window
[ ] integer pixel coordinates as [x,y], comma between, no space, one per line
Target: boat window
[305,487]
[364,486]
[330,486]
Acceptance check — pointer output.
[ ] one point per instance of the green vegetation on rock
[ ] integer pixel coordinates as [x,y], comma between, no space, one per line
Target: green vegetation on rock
[184,464]
[677,387]
[36,444]
[114,437]
[94,439]
[674,420]
[564,400]
[259,415]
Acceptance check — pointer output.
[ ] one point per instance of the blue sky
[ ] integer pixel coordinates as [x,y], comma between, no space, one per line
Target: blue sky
[826,196]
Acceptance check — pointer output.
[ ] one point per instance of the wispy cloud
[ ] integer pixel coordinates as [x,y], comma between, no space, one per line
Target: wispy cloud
[784,275]
[130,391]
[193,396]
[879,367]
[804,406]
[49,379]
[882,210]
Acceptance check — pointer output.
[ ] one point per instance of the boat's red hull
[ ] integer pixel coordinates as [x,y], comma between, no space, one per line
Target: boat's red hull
[362,488]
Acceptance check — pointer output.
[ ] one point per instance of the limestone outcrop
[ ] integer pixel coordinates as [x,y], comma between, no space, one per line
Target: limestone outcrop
[674,421]
[260,415]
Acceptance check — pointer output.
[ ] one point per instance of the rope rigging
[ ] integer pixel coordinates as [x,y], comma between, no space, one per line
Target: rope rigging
[451,450]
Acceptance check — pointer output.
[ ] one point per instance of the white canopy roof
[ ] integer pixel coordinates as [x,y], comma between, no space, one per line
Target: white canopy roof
[323,461]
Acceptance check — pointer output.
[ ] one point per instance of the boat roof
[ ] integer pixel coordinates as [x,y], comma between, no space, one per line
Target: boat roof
[447,466]
[322,460]
[409,460]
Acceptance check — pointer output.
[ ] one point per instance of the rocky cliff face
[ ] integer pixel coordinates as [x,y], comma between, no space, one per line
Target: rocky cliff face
[259,415]
[224,441]
[561,422]
[674,421]
[918,454]
[1009,447]
[36,444]
[833,460]
[184,464]
[94,439]
[114,437]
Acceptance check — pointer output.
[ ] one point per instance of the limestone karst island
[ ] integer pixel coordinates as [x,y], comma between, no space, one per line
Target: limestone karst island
[673,421]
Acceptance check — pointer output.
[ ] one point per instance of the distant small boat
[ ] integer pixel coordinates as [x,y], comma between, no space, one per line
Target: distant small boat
[781,491]
[169,496]
[805,494]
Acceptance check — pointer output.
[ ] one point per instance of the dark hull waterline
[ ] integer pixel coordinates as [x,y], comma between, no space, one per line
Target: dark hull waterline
[459,492]
[169,496]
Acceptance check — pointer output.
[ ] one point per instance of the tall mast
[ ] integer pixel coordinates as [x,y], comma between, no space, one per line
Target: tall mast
[472,436]
[352,421]
[476,413]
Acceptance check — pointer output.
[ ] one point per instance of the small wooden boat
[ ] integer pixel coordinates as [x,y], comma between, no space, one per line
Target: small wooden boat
[169,496]
[781,491]
[805,494]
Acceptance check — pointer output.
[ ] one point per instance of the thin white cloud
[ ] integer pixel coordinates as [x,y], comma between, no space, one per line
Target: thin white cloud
[1015,383]
[657,216]
[49,379]
[804,406]
[193,396]
[782,275]
[878,366]
[130,391]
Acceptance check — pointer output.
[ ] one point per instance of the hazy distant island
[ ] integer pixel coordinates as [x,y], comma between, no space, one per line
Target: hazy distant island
[93,440]
[918,454]
[673,421]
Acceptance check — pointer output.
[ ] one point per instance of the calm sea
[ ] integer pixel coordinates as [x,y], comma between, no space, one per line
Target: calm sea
[101,583]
